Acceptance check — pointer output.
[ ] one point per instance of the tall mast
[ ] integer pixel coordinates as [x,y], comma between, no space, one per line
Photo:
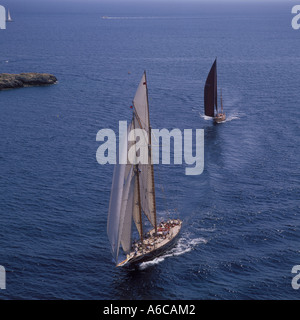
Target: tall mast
[139,200]
[221,102]
[216,85]
[150,160]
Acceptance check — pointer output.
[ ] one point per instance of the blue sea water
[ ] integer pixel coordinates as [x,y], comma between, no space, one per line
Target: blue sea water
[240,237]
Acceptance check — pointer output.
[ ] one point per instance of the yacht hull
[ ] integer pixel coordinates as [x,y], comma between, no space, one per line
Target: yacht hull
[162,245]
[221,117]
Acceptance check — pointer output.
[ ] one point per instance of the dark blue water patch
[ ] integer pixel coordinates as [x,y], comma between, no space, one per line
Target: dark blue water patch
[240,234]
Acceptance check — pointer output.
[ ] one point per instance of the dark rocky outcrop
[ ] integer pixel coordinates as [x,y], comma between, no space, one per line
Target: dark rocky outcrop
[10,81]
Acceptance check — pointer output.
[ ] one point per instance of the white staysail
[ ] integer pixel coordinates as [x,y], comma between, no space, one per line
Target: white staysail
[115,203]
[126,213]
[136,179]
[121,204]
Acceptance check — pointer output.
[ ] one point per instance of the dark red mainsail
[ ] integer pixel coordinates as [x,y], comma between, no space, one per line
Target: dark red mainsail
[210,91]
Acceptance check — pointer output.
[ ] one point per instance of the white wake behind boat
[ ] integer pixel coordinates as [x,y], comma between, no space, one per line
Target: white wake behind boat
[132,200]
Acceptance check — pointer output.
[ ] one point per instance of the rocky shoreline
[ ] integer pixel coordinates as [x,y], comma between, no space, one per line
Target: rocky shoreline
[11,81]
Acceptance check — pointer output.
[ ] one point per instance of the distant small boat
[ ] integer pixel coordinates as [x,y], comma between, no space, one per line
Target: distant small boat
[211,96]
[9,19]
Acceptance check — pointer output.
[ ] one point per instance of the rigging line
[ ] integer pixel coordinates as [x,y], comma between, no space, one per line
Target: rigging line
[148,211]
[160,180]
[176,204]
[163,193]
[140,122]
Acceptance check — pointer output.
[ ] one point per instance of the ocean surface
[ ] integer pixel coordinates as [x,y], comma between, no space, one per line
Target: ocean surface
[241,225]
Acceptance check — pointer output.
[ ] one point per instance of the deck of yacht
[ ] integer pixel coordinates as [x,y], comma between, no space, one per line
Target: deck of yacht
[153,244]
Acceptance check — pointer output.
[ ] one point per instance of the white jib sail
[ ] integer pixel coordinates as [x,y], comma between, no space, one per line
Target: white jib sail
[115,203]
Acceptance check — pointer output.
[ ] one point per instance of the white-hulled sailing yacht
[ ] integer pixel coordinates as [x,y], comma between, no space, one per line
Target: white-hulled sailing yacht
[132,199]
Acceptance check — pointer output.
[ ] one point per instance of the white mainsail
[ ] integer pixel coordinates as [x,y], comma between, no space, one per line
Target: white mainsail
[142,121]
[140,102]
